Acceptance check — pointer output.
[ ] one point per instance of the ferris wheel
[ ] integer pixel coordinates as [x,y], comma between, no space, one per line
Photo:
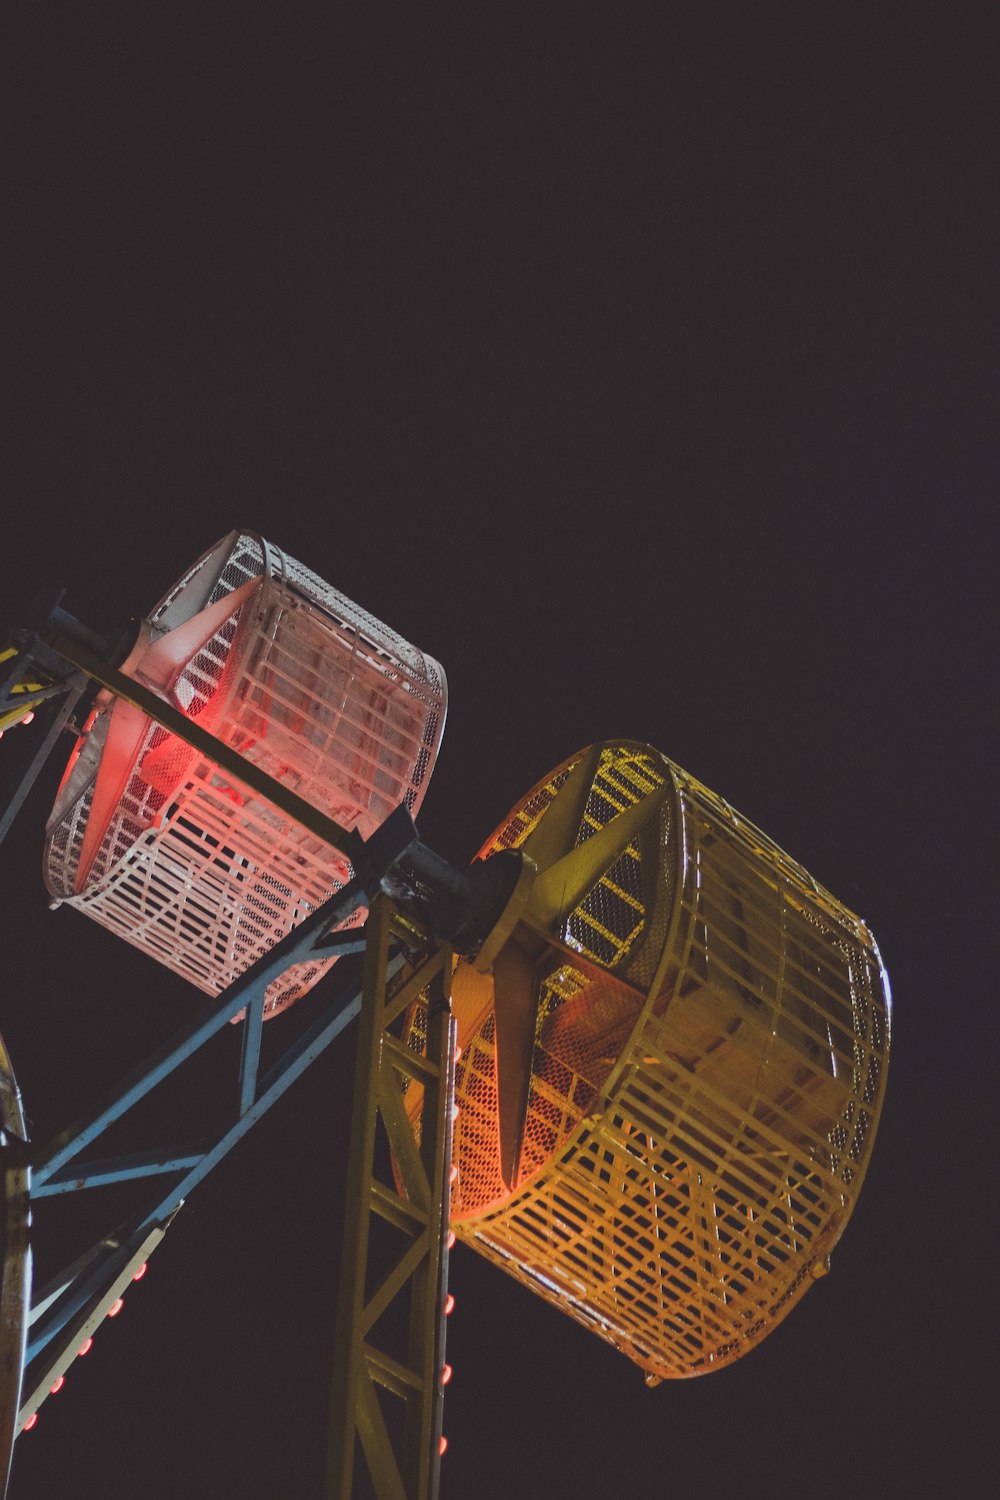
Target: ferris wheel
[634,1055]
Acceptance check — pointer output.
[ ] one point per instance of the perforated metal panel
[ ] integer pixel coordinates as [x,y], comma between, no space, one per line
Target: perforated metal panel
[329,701]
[701,1114]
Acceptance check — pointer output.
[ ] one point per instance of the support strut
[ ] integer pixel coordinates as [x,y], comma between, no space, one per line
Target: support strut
[387,1352]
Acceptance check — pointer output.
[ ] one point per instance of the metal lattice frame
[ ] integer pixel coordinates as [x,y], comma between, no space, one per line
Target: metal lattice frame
[401,1356]
[311,690]
[702,1112]
[67,1312]
[15,1256]
[404,964]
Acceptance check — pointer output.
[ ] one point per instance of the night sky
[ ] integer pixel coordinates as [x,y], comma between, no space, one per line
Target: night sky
[639,364]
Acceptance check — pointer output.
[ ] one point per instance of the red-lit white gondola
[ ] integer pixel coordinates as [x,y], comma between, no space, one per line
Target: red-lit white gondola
[149,839]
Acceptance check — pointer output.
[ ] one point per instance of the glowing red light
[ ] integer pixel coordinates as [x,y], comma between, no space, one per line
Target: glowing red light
[443,1446]
[451,1238]
[27,718]
[58,1386]
[85,1348]
[116,1307]
[449,1304]
[141,1271]
[29,1424]
[446,1374]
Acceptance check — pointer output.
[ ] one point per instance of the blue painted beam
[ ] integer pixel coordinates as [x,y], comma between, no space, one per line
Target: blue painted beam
[253,1025]
[280,1077]
[340,1009]
[296,947]
[90,1174]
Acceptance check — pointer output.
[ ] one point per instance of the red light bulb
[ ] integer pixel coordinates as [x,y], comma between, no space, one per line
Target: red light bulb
[443,1446]
[451,1238]
[116,1307]
[29,1424]
[446,1374]
[141,1271]
[58,1386]
[449,1304]
[27,718]
[85,1348]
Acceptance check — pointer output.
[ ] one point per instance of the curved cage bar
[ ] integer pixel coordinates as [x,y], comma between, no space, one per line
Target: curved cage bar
[706,1082]
[202,875]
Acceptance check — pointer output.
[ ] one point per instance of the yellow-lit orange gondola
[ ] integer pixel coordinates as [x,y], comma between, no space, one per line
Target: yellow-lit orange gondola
[708,1049]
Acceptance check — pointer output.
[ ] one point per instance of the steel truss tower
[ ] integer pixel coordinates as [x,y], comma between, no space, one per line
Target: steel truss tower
[45,669]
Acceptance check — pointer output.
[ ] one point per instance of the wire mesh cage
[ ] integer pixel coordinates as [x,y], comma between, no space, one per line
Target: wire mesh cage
[709,1063]
[151,841]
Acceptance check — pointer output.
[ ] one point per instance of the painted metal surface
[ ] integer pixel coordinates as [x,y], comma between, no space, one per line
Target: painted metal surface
[402,964]
[675,1052]
[32,688]
[391,1327]
[56,1168]
[47,1371]
[15,1270]
[202,860]
[708,1035]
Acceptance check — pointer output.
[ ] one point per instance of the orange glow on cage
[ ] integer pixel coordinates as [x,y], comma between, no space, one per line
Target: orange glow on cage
[709,1056]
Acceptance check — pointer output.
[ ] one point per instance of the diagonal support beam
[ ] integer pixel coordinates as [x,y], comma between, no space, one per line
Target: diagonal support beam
[296,947]
[394,1282]
[340,1009]
[377,1444]
[67,645]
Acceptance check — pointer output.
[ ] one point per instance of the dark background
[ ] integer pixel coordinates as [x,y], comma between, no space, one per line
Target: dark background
[639,365]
